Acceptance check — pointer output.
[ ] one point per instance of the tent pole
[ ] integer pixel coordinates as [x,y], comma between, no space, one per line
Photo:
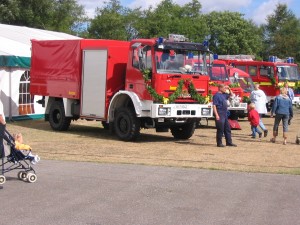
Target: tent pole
[10,100]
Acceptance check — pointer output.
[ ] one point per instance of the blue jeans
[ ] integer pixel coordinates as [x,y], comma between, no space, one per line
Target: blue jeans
[278,118]
[255,130]
[261,124]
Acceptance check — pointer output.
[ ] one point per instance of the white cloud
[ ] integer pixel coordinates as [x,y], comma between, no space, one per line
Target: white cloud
[144,4]
[90,6]
[257,13]
[266,8]
[221,5]
[207,6]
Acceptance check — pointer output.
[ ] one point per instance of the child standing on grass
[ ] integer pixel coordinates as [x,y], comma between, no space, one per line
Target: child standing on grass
[253,117]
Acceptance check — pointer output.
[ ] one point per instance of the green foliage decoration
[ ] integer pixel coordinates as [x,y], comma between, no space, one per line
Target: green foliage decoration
[246,99]
[234,85]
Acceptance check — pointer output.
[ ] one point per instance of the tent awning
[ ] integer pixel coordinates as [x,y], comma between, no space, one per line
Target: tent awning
[14,61]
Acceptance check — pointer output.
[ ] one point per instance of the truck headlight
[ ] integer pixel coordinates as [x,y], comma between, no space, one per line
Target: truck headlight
[164,111]
[206,111]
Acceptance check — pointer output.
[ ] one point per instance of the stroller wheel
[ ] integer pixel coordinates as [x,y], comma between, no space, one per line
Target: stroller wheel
[22,175]
[31,177]
[2,179]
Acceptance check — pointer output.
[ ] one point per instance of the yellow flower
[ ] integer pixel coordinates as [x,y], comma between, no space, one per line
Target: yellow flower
[165,100]
[207,99]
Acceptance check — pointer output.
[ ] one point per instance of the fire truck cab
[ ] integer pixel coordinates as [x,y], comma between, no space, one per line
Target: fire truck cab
[271,76]
[238,80]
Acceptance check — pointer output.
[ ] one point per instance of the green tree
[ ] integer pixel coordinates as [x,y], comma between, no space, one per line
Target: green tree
[8,11]
[32,13]
[230,33]
[66,15]
[58,15]
[169,17]
[282,34]
[109,22]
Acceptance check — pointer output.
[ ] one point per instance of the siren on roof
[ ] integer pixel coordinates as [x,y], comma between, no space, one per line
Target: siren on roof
[272,58]
[290,60]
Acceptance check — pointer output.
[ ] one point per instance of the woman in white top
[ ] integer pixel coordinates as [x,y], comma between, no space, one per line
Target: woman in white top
[259,98]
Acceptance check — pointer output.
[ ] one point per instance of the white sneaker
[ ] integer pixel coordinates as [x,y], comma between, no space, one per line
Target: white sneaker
[37,158]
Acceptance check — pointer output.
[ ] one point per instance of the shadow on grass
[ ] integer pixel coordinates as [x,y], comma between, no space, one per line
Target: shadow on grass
[92,130]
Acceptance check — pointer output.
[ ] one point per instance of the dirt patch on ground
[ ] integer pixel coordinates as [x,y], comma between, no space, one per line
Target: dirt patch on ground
[88,141]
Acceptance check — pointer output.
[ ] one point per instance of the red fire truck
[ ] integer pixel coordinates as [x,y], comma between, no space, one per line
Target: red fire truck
[126,85]
[240,83]
[271,75]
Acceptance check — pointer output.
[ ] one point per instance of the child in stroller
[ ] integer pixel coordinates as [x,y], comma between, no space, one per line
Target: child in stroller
[17,160]
[25,149]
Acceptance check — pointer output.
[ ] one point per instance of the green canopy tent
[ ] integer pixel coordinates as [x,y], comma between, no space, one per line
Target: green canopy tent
[14,61]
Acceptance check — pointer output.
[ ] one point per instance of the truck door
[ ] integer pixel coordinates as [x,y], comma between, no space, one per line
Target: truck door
[93,89]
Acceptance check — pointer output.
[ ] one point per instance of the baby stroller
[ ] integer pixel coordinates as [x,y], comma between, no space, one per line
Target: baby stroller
[16,160]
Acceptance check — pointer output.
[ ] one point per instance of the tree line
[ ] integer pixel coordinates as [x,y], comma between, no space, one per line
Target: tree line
[226,32]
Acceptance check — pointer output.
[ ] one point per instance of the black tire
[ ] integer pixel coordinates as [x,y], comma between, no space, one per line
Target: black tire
[57,118]
[184,132]
[233,115]
[105,125]
[126,125]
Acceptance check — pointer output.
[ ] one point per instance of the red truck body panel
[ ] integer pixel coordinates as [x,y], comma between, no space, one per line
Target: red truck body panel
[116,63]
[56,68]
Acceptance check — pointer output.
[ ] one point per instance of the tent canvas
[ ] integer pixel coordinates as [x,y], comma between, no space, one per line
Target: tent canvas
[15,53]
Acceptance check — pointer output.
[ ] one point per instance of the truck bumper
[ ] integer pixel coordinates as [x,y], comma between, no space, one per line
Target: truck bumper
[241,107]
[296,101]
[181,111]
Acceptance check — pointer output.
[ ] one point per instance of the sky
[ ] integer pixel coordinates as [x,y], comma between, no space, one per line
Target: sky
[257,10]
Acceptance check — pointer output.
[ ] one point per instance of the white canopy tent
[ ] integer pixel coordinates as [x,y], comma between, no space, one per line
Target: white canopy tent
[15,53]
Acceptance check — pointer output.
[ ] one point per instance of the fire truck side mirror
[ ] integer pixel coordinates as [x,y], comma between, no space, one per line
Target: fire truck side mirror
[278,69]
[236,75]
[211,58]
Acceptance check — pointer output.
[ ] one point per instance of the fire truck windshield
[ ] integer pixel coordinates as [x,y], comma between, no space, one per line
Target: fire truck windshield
[286,72]
[218,72]
[180,61]
[245,83]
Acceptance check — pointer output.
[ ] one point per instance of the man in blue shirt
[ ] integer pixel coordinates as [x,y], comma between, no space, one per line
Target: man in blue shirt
[220,111]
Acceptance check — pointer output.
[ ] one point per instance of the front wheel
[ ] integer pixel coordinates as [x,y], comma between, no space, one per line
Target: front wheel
[127,125]
[57,118]
[185,131]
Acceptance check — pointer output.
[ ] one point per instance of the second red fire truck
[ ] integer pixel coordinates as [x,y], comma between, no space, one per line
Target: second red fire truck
[272,75]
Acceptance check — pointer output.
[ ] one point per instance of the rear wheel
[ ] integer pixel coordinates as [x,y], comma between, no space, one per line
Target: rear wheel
[2,179]
[185,131]
[57,118]
[127,125]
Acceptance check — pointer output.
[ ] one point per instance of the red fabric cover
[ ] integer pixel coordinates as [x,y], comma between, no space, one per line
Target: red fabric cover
[234,125]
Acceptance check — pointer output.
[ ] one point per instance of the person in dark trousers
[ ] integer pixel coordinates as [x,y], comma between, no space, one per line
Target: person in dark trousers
[2,129]
[220,111]
[283,110]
